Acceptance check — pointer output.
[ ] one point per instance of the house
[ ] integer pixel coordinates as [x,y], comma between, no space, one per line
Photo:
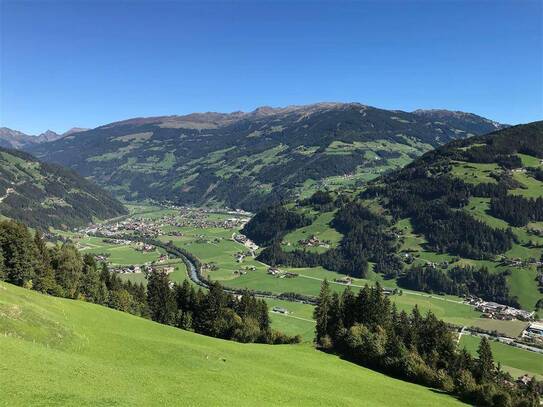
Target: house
[280,310]
[273,271]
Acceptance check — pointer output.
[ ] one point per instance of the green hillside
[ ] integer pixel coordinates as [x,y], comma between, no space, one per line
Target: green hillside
[64,352]
[47,195]
[472,204]
[250,159]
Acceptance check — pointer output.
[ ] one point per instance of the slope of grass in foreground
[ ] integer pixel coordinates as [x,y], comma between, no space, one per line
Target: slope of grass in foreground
[57,351]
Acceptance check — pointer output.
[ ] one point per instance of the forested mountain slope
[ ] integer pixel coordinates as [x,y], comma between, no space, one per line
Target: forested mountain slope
[44,195]
[466,218]
[66,352]
[249,159]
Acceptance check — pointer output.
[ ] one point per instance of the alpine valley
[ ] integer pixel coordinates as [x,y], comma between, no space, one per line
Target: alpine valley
[246,160]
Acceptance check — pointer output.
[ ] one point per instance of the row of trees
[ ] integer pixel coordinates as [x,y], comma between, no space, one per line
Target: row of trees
[367,329]
[27,261]
[216,313]
[460,281]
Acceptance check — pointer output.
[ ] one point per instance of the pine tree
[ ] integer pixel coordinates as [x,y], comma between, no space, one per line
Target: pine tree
[45,275]
[160,298]
[485,363]
[321,314]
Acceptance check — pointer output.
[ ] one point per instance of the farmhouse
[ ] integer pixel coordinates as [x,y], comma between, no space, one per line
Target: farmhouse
[534,330]
[280,310]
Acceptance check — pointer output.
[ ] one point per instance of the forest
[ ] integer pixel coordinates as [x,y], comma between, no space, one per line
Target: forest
[460,281]
[367,329]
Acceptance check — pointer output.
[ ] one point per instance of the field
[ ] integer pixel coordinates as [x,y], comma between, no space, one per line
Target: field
[513,360]
[215,246]
[65,352]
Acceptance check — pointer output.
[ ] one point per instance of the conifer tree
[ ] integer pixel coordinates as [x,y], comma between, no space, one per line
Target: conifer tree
[321,313]
[485,362]
[160,298]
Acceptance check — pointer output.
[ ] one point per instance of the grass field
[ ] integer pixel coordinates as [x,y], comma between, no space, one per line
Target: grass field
[118,254]
[320,228]
[515,361]
[71,353]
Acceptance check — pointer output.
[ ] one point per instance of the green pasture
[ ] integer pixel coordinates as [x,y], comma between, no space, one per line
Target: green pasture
[71,353]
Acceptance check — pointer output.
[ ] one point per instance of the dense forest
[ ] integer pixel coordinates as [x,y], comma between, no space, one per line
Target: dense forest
[367,329]
[44,195]
[461,281]
[61,271]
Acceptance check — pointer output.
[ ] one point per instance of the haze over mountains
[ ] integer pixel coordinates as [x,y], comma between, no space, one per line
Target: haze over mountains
[18,140]
[248,159]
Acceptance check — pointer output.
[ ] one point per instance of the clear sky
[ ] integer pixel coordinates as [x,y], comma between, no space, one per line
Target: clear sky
[87,63]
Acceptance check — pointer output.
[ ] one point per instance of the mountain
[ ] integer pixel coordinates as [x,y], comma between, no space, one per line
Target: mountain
[18,140]
[77,353]
[250,159]
[43,195]
[465,218]
[14,139]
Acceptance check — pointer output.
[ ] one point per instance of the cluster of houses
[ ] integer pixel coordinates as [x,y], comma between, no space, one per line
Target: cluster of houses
[505,261]
[146,269]
[494,310]
[244,240]
[281,274]
[314,241]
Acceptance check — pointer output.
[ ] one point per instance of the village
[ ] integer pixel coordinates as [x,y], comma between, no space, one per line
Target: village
[493,310]
[184,218]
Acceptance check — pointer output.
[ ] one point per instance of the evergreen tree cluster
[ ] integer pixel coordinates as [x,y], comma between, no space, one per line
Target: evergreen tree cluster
[367,329]
[214,313]
[27,261]
[460,281]
[272,223]
[517,210]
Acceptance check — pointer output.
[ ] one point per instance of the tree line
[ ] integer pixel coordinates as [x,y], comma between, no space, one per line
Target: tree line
[460,281]
[367,329]
[61,271]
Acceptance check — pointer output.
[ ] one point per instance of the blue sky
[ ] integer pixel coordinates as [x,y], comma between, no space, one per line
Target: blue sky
[87,63]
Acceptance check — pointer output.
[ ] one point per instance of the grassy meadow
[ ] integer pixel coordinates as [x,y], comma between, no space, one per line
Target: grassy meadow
[72,353]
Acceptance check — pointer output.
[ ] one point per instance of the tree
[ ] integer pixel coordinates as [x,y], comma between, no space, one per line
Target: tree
[160,298]
[485,362]
[68,270]
[321,314]
[19,253]
[45,275]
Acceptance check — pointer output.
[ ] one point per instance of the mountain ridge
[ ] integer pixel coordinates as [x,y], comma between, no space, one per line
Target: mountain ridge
[246,159]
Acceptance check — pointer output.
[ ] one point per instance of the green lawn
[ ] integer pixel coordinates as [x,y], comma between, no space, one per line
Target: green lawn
[523,285]
[71,353]
[320,228]
[475,173]
[514,360]
[119,254]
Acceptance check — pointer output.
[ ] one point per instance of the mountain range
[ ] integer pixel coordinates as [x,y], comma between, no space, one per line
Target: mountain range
[18,140]
[249,159]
